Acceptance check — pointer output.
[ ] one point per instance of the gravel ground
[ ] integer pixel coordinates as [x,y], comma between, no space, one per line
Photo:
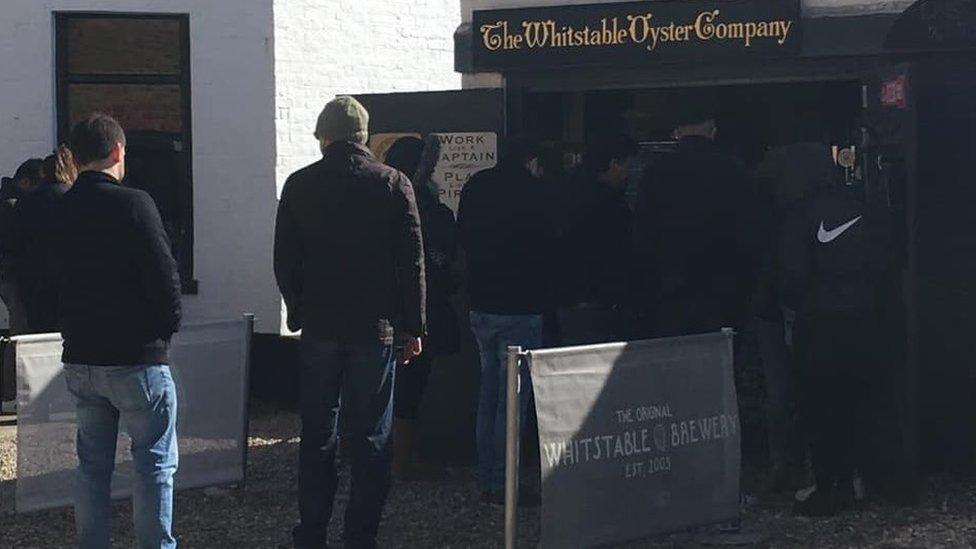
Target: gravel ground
[447,513]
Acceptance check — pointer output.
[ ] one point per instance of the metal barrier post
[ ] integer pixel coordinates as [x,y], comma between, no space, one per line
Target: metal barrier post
[249,335]
[512,445]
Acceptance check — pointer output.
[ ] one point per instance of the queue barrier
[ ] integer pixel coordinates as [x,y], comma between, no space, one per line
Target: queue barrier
[210,364]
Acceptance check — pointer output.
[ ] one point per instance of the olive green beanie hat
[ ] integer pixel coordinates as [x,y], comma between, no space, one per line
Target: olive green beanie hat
[343,119]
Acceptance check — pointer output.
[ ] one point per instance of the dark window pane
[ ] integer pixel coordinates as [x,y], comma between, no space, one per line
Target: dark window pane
[137,107]
[123,46]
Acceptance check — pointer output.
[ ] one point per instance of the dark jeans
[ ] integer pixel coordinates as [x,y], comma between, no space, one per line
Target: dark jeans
[778,374]
[840,355]
[360,376]
[495,333]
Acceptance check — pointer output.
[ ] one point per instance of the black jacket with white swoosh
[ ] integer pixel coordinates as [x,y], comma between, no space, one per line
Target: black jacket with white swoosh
[835,252]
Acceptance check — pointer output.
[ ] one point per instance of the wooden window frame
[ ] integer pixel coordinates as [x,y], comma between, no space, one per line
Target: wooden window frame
[64,79]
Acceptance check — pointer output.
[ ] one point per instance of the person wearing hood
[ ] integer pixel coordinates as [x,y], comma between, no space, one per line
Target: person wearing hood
[417,158]
[836,255]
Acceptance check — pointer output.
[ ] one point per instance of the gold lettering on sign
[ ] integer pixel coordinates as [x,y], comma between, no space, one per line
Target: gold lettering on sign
[493,35]
[637,29]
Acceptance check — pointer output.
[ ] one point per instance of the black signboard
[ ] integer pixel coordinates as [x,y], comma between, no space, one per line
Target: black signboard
[634,33]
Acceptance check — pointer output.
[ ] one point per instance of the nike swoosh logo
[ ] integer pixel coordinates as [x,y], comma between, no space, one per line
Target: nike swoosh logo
[826,236]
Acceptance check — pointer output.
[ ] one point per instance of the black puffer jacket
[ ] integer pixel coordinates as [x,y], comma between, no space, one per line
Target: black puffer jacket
[348,251]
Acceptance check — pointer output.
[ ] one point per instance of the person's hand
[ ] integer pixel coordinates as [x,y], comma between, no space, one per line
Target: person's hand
[412,347]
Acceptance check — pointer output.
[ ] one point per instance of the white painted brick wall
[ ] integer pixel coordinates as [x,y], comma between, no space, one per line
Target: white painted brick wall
[232,70]
[329,47]
[261,72]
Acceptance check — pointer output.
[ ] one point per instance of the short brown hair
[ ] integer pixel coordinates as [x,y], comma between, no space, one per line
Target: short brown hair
[92,139]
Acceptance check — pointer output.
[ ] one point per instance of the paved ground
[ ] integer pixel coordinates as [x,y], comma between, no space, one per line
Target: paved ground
[446,514]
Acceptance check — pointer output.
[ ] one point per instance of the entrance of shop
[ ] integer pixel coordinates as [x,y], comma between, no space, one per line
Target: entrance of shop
[752,119]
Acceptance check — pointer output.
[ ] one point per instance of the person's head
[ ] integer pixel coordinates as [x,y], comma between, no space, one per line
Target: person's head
[342,119]
[59,168]
[697,116]
[98,144]
[28,175]
[521,151]
[404,155]
[551,160]
[609,159]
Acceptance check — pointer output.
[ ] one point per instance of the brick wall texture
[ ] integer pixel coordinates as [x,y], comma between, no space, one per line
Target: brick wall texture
[329,47]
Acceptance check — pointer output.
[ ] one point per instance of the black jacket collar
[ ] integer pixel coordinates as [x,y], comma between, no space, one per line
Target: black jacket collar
[92,177]
[344,149]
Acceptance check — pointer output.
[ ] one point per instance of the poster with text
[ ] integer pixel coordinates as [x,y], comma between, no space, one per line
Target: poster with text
[636,439]
[462,155]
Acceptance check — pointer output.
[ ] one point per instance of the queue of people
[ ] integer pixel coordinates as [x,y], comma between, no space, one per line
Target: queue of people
[365,256]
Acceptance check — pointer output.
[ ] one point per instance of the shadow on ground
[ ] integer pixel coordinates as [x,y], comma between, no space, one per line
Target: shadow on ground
[448,514]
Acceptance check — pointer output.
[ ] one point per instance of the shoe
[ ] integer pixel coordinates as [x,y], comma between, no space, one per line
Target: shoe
[820,503]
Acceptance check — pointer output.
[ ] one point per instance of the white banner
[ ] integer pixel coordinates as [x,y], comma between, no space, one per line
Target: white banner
[636,439]
[210,367]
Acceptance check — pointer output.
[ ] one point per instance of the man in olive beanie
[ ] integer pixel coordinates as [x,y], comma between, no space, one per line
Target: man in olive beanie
[343,119]
[350,265]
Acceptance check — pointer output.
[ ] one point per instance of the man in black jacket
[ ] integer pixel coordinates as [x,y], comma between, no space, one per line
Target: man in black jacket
[694,236]
[508,237]
[119,307]
[596,245]
[350,265]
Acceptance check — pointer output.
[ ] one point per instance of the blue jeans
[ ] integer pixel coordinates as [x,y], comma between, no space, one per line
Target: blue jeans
[495,333]
[360,376]
[144,399]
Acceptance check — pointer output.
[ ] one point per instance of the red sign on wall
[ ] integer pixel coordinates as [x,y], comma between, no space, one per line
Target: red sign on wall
[893,93]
